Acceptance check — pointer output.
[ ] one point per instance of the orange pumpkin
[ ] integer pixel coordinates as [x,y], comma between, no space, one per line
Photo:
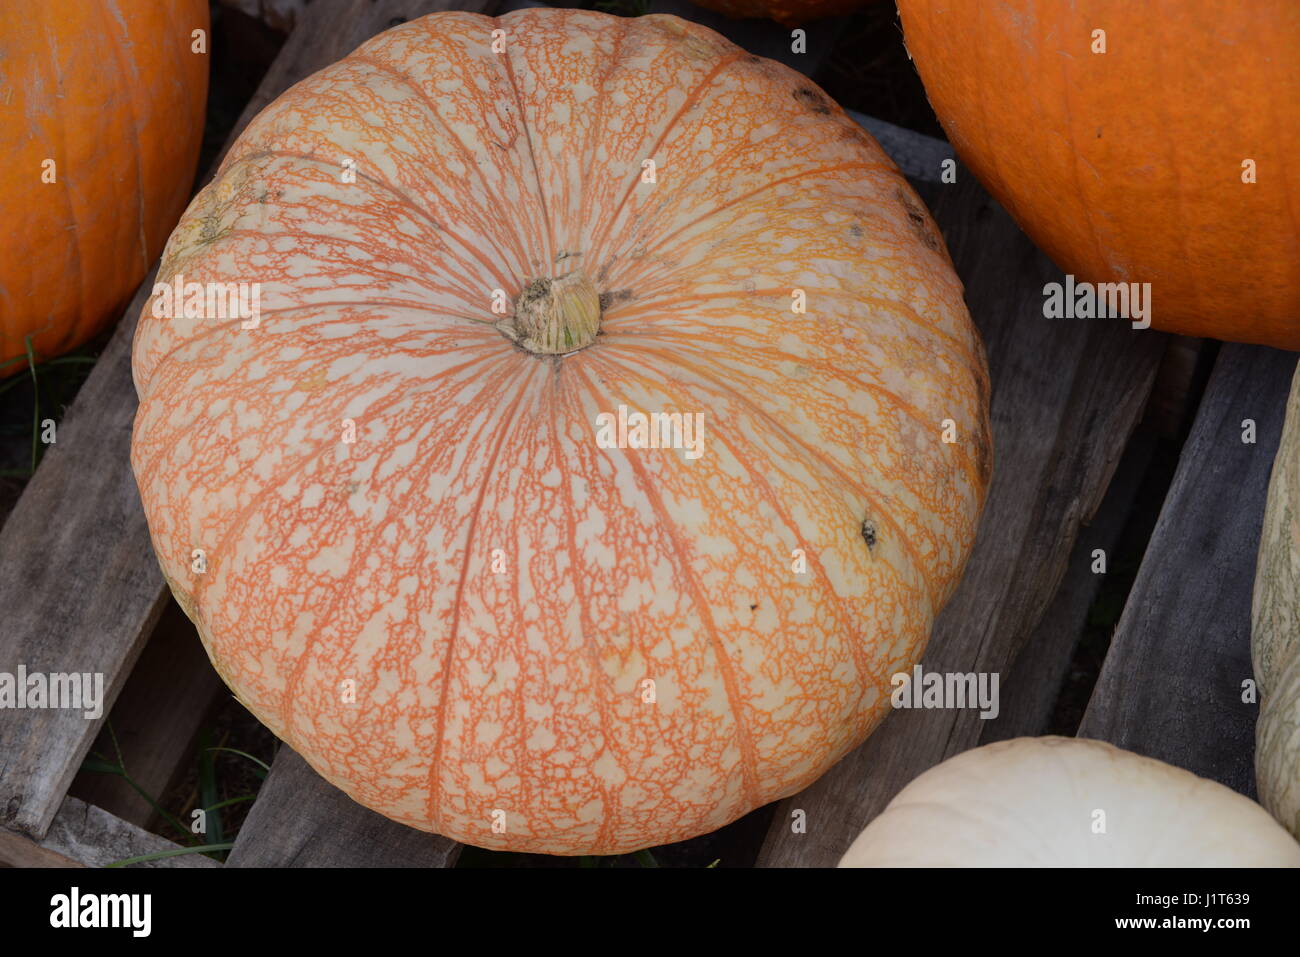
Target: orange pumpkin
[1129,165]
[788,13]
[101,123]
[389,508]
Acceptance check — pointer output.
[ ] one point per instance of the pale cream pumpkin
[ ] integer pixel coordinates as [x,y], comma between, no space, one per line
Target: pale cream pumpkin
[1068,802]
[1275,631]
[386,485]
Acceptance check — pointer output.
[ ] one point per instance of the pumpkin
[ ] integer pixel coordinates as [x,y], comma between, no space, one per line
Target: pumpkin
[1131,165]
[1068,802]
[101,120]
[411,508]
[789,13]
[1275,631]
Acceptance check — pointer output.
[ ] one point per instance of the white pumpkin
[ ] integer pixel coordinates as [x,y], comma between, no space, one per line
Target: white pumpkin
[1275,632]
[1277,748]
[1068,802]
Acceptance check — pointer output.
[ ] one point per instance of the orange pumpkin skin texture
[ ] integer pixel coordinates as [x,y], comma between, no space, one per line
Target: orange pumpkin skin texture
[789,13]
[1127,166]
[108,90]
[500,587]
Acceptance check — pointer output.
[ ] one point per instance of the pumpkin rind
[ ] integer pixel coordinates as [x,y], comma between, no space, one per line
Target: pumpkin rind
[112,93]
[1126,166]
[1277,748]
[1275,631]
[499,587]
[1035,802]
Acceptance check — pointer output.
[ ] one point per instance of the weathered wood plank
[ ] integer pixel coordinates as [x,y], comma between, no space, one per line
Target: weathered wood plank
[156,721]
[1031,686]
[299,820]
[1178,385]
[80,586]
[82,835]
[1066,396]
[1171,686]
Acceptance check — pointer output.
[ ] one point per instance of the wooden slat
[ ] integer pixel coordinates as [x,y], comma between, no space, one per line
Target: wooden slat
[1178,384]
[80,587]
[298,820]
[156,721]
[1171,685]
[84,835]
[1066,396]
[1030,688]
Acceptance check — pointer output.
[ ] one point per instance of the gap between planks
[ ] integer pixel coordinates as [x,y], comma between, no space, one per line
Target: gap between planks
[1171,685]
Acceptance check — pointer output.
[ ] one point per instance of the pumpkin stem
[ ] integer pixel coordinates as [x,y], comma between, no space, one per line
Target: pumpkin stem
[555,316]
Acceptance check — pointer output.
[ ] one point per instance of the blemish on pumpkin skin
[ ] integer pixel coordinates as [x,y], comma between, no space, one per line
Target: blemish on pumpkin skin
[210,229]
[868,532]
[983,456]
[851,131]
[312,383]
[919,222]
[608,299]
[811,99]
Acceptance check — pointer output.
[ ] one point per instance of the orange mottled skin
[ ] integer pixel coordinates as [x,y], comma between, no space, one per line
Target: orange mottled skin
[1126,166]
[500,588]
[108,90]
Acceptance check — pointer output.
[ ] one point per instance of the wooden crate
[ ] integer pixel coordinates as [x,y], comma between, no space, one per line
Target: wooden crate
[82,590]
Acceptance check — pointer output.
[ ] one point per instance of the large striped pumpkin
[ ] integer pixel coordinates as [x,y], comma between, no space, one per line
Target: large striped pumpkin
[556,645]
[1146,142]
[101,116]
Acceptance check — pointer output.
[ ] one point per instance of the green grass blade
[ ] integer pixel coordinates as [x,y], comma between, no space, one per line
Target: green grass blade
[244,754]
[177,852]
[208,790]
[229,801]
